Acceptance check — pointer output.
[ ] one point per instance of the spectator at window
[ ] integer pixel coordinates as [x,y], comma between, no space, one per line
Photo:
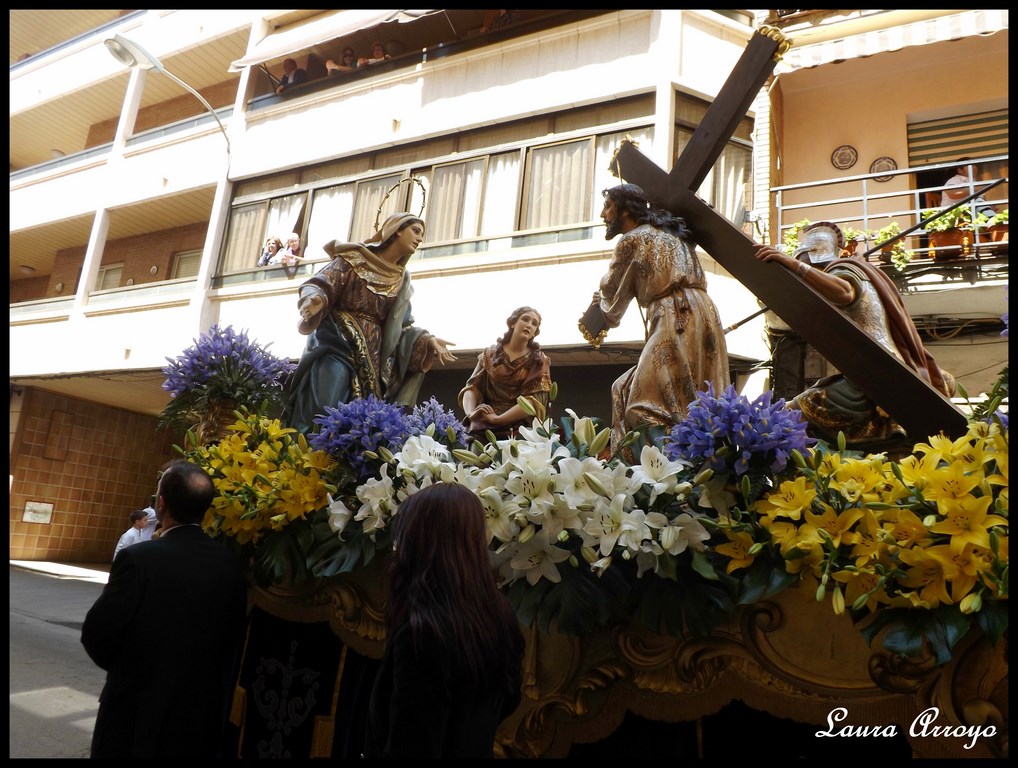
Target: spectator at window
[378,54]
[348,62]
[960,186]
[292,75]
[291,253]
[271,254]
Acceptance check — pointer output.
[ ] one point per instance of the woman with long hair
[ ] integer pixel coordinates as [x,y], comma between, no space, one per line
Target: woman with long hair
[452,669]
[361,336]
[513,367]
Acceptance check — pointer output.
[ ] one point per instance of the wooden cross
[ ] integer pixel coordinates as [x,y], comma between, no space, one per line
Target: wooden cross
[919,407]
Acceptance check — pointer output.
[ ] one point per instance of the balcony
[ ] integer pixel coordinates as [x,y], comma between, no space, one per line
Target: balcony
[863,205]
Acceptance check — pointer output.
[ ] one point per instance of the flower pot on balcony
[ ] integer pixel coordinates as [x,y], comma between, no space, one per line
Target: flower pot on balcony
[951,244]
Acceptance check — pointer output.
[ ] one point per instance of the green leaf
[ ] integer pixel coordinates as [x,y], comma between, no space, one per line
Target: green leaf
[993,619]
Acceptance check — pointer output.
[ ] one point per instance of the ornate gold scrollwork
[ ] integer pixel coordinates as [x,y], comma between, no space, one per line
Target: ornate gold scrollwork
[779,37]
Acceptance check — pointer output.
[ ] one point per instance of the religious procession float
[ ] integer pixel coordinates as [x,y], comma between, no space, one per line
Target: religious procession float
[733,560]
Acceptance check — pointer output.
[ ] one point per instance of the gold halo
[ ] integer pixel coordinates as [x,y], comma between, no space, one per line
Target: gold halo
[393,188]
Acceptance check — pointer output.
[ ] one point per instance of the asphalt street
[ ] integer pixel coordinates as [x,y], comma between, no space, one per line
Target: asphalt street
[54,685]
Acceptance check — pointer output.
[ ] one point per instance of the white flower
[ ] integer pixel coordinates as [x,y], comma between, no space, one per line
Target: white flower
[532,433]
[634,529]
[555,517]
[500,514]
[339,516]
[582,428]
[714,495]
[656,471]
[647,558]
[531,487]
[423,455]
[684,531]
[537,558]
[571,483]
[605,523]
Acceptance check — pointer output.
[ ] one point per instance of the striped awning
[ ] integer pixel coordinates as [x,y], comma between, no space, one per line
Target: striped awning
[951,27]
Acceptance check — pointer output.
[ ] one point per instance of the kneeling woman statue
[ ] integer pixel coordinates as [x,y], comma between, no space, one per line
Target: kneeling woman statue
[361,337]
[514,366]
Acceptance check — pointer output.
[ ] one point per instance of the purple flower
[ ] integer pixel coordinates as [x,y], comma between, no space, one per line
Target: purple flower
[731,434]
[433,412]
[223,364]
[363,424]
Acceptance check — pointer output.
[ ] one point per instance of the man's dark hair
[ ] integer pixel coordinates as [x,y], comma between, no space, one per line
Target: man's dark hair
[187,490]
[632,198]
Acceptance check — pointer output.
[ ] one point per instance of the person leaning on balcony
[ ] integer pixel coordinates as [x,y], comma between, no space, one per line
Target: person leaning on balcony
[655,262]
[452,669]
[347,63]
[511,368]
[378,54]
[292,75]
[361,337]
[270,253]
[871,300]
[960,186]
[290,255]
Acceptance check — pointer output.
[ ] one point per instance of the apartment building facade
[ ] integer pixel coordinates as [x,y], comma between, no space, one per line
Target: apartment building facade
[138,208]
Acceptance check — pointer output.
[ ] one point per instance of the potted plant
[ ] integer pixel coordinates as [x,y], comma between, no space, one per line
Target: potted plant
[997,226]
[852,238]
[951,233]
[210,380]
[893,253]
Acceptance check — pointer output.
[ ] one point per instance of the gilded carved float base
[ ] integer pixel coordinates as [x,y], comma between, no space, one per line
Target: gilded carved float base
[790,658]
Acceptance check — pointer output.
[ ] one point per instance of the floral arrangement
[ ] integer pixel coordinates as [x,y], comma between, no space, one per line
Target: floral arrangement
[268,484]
[224,369]
[731,506]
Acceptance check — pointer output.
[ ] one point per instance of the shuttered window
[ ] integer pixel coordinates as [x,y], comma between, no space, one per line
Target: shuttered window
[944,140]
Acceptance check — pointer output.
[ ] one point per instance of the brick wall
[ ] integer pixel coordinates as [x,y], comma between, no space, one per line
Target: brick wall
[166,112]
[138,255]
[93,463]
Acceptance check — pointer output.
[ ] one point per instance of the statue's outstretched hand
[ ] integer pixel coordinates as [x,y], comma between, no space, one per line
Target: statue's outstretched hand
[441,347]
[310,306]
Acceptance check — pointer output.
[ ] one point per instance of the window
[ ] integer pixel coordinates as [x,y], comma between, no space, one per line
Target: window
[185,264]
[109,276]
[558,185]
[726,187]
[250,225]
[475,191]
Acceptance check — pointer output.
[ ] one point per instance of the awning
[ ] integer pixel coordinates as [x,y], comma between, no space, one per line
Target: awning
[936,30]
[319,30]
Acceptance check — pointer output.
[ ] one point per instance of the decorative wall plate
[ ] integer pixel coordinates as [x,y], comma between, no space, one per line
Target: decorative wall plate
[844,157]
[883,164]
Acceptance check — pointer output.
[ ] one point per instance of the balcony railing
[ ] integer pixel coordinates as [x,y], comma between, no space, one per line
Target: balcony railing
[859,203]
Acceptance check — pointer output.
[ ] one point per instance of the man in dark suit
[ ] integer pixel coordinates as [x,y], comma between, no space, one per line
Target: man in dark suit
[168,629]
[292,75]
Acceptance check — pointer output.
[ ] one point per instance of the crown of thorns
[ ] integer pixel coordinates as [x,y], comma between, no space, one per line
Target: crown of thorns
[631,191]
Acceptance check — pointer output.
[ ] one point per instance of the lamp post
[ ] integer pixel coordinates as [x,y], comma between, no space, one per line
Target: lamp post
[130,54]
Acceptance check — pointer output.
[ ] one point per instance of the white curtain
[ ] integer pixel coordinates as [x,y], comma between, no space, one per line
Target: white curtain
[455,201]
[500,188]
[284,216]
[331,213]
[247,236]
[371,195]
[558,190]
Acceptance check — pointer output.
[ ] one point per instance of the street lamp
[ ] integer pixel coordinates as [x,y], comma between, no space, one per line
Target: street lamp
[130,54]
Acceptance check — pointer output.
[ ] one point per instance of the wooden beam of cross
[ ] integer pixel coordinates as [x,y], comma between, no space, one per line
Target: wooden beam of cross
[919,407]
